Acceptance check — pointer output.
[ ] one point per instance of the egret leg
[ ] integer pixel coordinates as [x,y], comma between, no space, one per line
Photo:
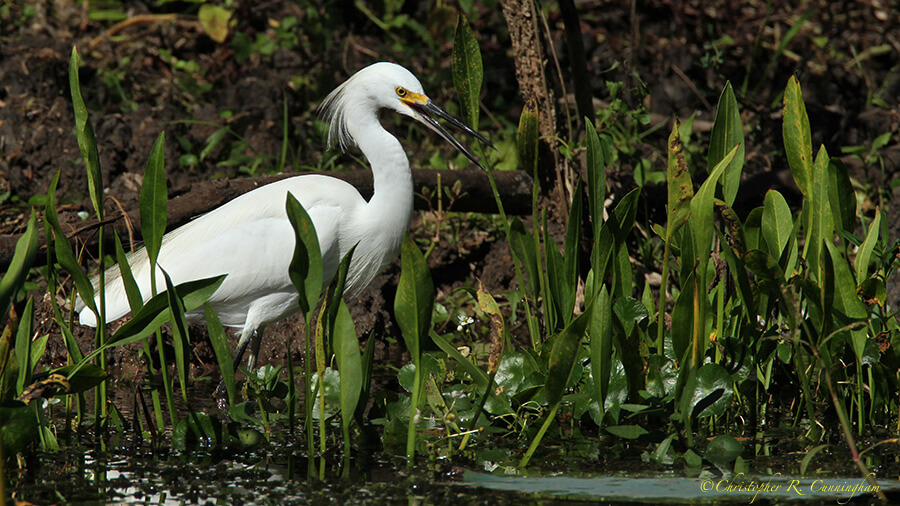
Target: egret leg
[254,347]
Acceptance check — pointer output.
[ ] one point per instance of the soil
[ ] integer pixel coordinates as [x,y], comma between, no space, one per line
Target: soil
[158,75]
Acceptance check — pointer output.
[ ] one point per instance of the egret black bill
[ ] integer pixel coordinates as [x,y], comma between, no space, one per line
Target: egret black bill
[428,111]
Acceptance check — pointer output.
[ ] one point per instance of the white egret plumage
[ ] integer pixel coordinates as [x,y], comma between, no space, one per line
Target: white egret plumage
[250,238]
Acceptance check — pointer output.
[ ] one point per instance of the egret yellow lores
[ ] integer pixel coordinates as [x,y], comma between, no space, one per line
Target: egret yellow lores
[251,241]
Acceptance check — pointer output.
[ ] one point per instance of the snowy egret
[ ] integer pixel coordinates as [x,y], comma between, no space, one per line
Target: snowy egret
[250,238]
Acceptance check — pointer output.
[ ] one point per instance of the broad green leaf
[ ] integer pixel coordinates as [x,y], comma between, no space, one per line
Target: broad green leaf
[597,160]
[415,297]
[18,428]
[683,317]
[467,70]
[522,243]
[527,138]
[23,257]
[82,377]
[776,224]
[219,341]
[601,336]
[797,138]
[306,266]
[727,132]
[556,285]
[562,357]
[864,254]
[627,431]
[713,391]
[841,196]
[845,298]
[349,362]
[613,234]
[702,210]
[154,196]
[680,187]
[84,132]
[723,450]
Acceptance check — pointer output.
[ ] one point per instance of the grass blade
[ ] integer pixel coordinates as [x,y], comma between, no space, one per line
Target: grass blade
[154,196]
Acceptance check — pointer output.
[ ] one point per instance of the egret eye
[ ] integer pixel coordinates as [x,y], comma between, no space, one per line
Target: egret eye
[401,91]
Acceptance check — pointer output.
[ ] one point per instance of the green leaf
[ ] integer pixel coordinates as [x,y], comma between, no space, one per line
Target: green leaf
[680,187]
[18,428]
[797,138]
[597,160]
[841,196]
[82,377]
[713,392]
[627,431]
[562,357]
[415,297]
[846,299]
[527,138]
[777,223]
[727,132]
[154,196]
[601,336]
[84,132]
[23,257]
[467,70]
[522,243]
[349,362]
[219,341]
[702,210]
[864,254]
[306,266]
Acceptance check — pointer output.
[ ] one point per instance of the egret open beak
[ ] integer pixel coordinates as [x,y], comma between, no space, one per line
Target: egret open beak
[427,112]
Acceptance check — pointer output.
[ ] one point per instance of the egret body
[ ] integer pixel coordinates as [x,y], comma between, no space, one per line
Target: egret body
[251,241]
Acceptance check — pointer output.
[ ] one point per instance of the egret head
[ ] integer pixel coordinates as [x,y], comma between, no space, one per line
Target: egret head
[388,86]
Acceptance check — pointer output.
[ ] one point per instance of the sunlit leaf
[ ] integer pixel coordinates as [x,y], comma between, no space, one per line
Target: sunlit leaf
[727,132]
[415,297]
[467,70]
[154,196]
[797,138]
